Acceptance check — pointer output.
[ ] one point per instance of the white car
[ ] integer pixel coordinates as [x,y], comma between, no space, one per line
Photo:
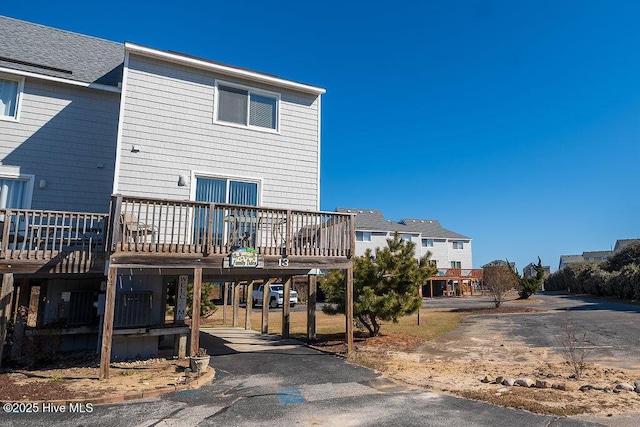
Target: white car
[276,296]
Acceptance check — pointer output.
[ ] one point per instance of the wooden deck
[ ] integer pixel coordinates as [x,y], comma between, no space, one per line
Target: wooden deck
[144,232]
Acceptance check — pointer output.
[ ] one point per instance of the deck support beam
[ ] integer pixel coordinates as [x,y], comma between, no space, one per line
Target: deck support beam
[265,305]
[236,304]
[5,308]
[349,311]
[107,323]
[225,300]
[311,307]
[195,311]
[286,308]
[249,306]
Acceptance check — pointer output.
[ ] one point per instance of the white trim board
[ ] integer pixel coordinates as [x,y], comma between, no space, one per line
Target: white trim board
[60,80]
[222,69]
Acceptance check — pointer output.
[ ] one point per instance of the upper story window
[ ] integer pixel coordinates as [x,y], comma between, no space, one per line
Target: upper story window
[363,236]
[406,237]
[10,91]
[427,243]
[244,106]
[456,264]
[458,245]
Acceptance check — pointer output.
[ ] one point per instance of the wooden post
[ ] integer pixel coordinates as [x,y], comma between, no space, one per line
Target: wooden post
[20,317]
[311,308]
[286,310]
[265,305]
[249,306]
[420,295]
[349,311]
[5,308]
[107,323]
[236,304]
[195,311]
[225,299]
[431,287]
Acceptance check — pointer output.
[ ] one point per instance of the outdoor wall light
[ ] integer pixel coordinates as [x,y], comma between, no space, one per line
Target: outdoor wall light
[182,181]
[42,184]
[135,149]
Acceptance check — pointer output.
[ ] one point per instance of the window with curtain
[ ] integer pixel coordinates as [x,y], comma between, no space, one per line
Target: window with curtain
[9,91]
[13,193]
[246,107]
[223,190]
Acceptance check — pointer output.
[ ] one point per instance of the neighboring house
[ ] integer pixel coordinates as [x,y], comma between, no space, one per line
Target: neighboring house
[451,252]
[530,271]
[569,259]
[500,263]
[596,256]
[448,249]
[593,256]
[158,168]
[623,243]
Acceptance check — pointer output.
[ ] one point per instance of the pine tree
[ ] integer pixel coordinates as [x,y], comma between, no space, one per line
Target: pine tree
[385,284]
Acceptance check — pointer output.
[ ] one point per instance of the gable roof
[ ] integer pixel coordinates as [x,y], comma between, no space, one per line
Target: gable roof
[431,228]
[37,49]
[374,220]
[596,254]
[623,243]
[570,259]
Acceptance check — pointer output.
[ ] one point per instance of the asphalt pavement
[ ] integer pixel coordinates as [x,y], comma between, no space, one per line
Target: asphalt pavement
[262,380]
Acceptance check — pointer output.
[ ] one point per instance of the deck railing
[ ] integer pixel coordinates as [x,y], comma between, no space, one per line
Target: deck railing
[45,235]
[147,225]
[170,227]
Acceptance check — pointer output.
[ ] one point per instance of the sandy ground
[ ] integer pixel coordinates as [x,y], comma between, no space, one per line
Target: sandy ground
[83,383]
[458,361]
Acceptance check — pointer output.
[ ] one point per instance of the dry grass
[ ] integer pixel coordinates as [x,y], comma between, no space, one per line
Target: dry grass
[433,323]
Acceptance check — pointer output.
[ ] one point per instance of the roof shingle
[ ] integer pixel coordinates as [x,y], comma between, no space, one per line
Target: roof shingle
[52,52]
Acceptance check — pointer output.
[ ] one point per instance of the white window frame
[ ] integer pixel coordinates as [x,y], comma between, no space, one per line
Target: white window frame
[195,175]
[362,235]
[249,90]
[455,264]
[458,244]
[406,237]
[30,180]
[20,81]
[427,243]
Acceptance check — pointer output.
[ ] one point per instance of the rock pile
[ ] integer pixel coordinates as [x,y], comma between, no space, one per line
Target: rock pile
[527,382]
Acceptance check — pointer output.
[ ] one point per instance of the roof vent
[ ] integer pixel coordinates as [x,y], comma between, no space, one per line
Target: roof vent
[370,211]
[360,211]
[422,220]
[430,222]
[349,210]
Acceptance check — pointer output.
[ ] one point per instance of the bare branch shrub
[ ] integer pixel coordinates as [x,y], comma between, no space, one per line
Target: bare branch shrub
[499,279]
[574,346]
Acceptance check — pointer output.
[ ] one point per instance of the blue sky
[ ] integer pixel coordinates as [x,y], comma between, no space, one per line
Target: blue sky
[514,123]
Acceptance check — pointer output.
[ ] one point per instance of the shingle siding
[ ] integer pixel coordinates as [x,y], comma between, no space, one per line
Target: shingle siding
[168,113]
[63,134]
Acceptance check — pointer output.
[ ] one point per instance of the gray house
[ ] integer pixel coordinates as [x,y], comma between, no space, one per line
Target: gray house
[128,172]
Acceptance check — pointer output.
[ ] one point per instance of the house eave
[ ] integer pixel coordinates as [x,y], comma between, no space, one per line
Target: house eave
[228,71]
[96,86]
